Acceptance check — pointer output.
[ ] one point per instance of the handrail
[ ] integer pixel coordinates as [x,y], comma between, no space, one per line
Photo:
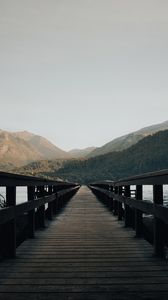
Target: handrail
[150,178]
[11,179]
[40,192]
[128,204]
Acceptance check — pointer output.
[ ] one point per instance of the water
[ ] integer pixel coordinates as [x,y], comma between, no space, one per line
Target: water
[21,193]
[148,193]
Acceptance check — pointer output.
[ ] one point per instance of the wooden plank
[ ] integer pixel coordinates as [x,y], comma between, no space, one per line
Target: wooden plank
[9,179]
[85,253]
[160,177]
[151,178]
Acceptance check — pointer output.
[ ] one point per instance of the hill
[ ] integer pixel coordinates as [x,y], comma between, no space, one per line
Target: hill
[15,151]
[78,153]
[128,140]
[40,168]
[20,148]
[45,148]
[149,154]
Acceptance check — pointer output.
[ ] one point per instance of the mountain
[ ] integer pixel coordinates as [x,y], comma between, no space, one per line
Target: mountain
[15,151]
[20,148]
[40,168]
[149,154]
[128,140]
[25,135]
[78,153]
[45,148]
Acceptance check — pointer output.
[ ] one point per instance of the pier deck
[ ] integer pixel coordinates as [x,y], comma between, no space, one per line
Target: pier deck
[85,253]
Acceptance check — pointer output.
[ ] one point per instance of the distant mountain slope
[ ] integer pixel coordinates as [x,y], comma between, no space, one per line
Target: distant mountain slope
[128,140]
[16,151]
[149,154]
[20,148]
[40,168]
[46,149]
[25,135]
[78,153]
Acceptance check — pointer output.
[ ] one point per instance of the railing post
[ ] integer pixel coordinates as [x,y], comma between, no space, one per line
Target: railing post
[127,209]
[159,235]
[41,209]
[50,204]
[31,213]
[9,229]
[138,213]
[120,212]
[111,189]
[55,201]
[115,202]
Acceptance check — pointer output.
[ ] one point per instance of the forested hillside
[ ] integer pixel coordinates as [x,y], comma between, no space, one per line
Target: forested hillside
[147,155]
[128,140]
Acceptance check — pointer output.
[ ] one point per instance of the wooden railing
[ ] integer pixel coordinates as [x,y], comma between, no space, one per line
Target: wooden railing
[45,198]
[125,199]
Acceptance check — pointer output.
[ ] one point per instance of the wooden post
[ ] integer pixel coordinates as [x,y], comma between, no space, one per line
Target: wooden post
[41,209]
[138,213]
[31,213]
[62,199]
[159,228]
[127,209]
[50,204]
[9,229]
[120,213]
[111,189]
[55,201]
[115,202]
[60,202]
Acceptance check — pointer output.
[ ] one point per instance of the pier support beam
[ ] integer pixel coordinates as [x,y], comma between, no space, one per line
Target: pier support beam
[159,227]
[127,208]
[120,210]
[41,210]
[50,204]
[31,213]
[138,213]
[9,229]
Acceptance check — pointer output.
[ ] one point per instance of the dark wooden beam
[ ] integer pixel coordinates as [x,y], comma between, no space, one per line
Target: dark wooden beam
[159,228]
[9,229]
[31,213]
[138,213]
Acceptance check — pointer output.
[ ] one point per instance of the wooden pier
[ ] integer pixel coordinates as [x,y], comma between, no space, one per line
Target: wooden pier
[85,253]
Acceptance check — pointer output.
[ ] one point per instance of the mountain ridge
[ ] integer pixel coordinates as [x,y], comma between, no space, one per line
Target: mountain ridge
[148,155]
[23,147]
[126,141]
[20,148]
[44,146]
[78,153]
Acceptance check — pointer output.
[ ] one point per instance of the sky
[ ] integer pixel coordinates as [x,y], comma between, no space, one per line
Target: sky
[83,72]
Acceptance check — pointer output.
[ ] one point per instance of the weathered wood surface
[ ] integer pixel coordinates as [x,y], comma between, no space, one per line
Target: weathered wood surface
[85,253]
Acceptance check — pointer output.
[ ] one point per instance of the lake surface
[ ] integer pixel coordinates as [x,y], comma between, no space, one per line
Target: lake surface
[21,193]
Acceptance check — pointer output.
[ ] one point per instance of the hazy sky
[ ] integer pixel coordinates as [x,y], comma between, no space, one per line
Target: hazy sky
[82,72]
